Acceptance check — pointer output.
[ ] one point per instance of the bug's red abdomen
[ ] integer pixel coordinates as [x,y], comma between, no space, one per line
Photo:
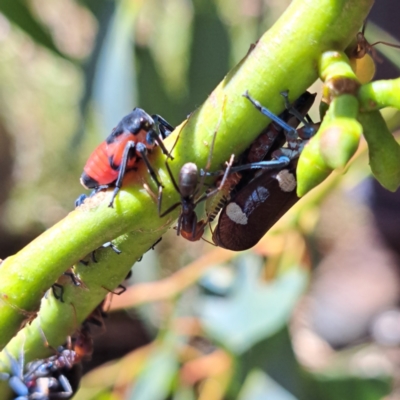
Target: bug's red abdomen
[98,170]
[115,150]
[134,136]
[103,165]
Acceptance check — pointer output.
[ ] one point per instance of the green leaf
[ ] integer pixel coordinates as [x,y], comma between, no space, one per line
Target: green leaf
[255,310]
[350,375]
[259,386]
[184,393]
[20,14]
[155,381]
[210,50]
[114,87]
[349,388]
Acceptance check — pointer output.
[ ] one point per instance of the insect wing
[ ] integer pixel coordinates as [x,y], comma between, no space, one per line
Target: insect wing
[256,208]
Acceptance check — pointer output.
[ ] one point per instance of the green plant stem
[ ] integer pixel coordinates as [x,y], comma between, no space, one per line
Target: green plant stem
[380,94]
[284,58]
[383,150]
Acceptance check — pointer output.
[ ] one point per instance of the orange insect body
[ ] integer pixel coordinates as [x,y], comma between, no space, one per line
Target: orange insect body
[130,141]
[103,165]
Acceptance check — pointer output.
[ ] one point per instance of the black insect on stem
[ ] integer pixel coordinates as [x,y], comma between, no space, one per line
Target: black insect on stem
[262,198]
[188,187]
[190,184]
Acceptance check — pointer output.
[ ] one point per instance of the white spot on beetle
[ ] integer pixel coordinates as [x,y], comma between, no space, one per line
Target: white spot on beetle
[235,213]
[287,180]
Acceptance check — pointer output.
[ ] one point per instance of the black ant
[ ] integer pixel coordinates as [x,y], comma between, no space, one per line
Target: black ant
[188,225]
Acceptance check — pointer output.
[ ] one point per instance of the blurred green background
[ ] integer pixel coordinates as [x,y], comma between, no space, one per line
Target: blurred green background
[234,327]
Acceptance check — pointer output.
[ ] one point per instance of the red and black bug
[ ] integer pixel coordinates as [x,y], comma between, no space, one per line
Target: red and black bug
[130,140]
[262,198]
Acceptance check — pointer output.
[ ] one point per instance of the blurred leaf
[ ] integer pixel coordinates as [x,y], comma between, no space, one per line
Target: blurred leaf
[352,375]
[155,381]
[184,393]
[349,388]
[97,6]
[114,83]
[210,52]
[375,34]
[104,11]
[20,14]
[152,94]
[259,386]
[274,355]
[105,396]
[255,310]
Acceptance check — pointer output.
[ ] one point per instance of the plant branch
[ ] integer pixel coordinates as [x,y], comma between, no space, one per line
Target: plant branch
[285,58]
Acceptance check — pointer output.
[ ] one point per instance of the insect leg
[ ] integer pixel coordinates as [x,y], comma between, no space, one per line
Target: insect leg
[128,150]
[308,130]
[163,126]
[282,161]
[291,131]
[66,387]
[160,194]
[142,150]
[60,296]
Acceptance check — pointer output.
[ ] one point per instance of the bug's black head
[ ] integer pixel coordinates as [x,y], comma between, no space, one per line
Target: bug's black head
[136,121]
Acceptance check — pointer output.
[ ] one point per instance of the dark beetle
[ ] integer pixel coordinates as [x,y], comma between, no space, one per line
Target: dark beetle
[256,208]
[263,197]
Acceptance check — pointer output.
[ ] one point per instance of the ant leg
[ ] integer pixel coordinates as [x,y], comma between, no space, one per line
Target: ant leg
[142,150]
[151,248]
[118,293]
[75,280]
[60,297]
[179,225]
[140,259]
[210,153]
[160,195]
[172,208]
[127,155]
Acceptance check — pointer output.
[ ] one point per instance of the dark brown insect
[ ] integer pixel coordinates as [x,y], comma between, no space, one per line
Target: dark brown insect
[262,198]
